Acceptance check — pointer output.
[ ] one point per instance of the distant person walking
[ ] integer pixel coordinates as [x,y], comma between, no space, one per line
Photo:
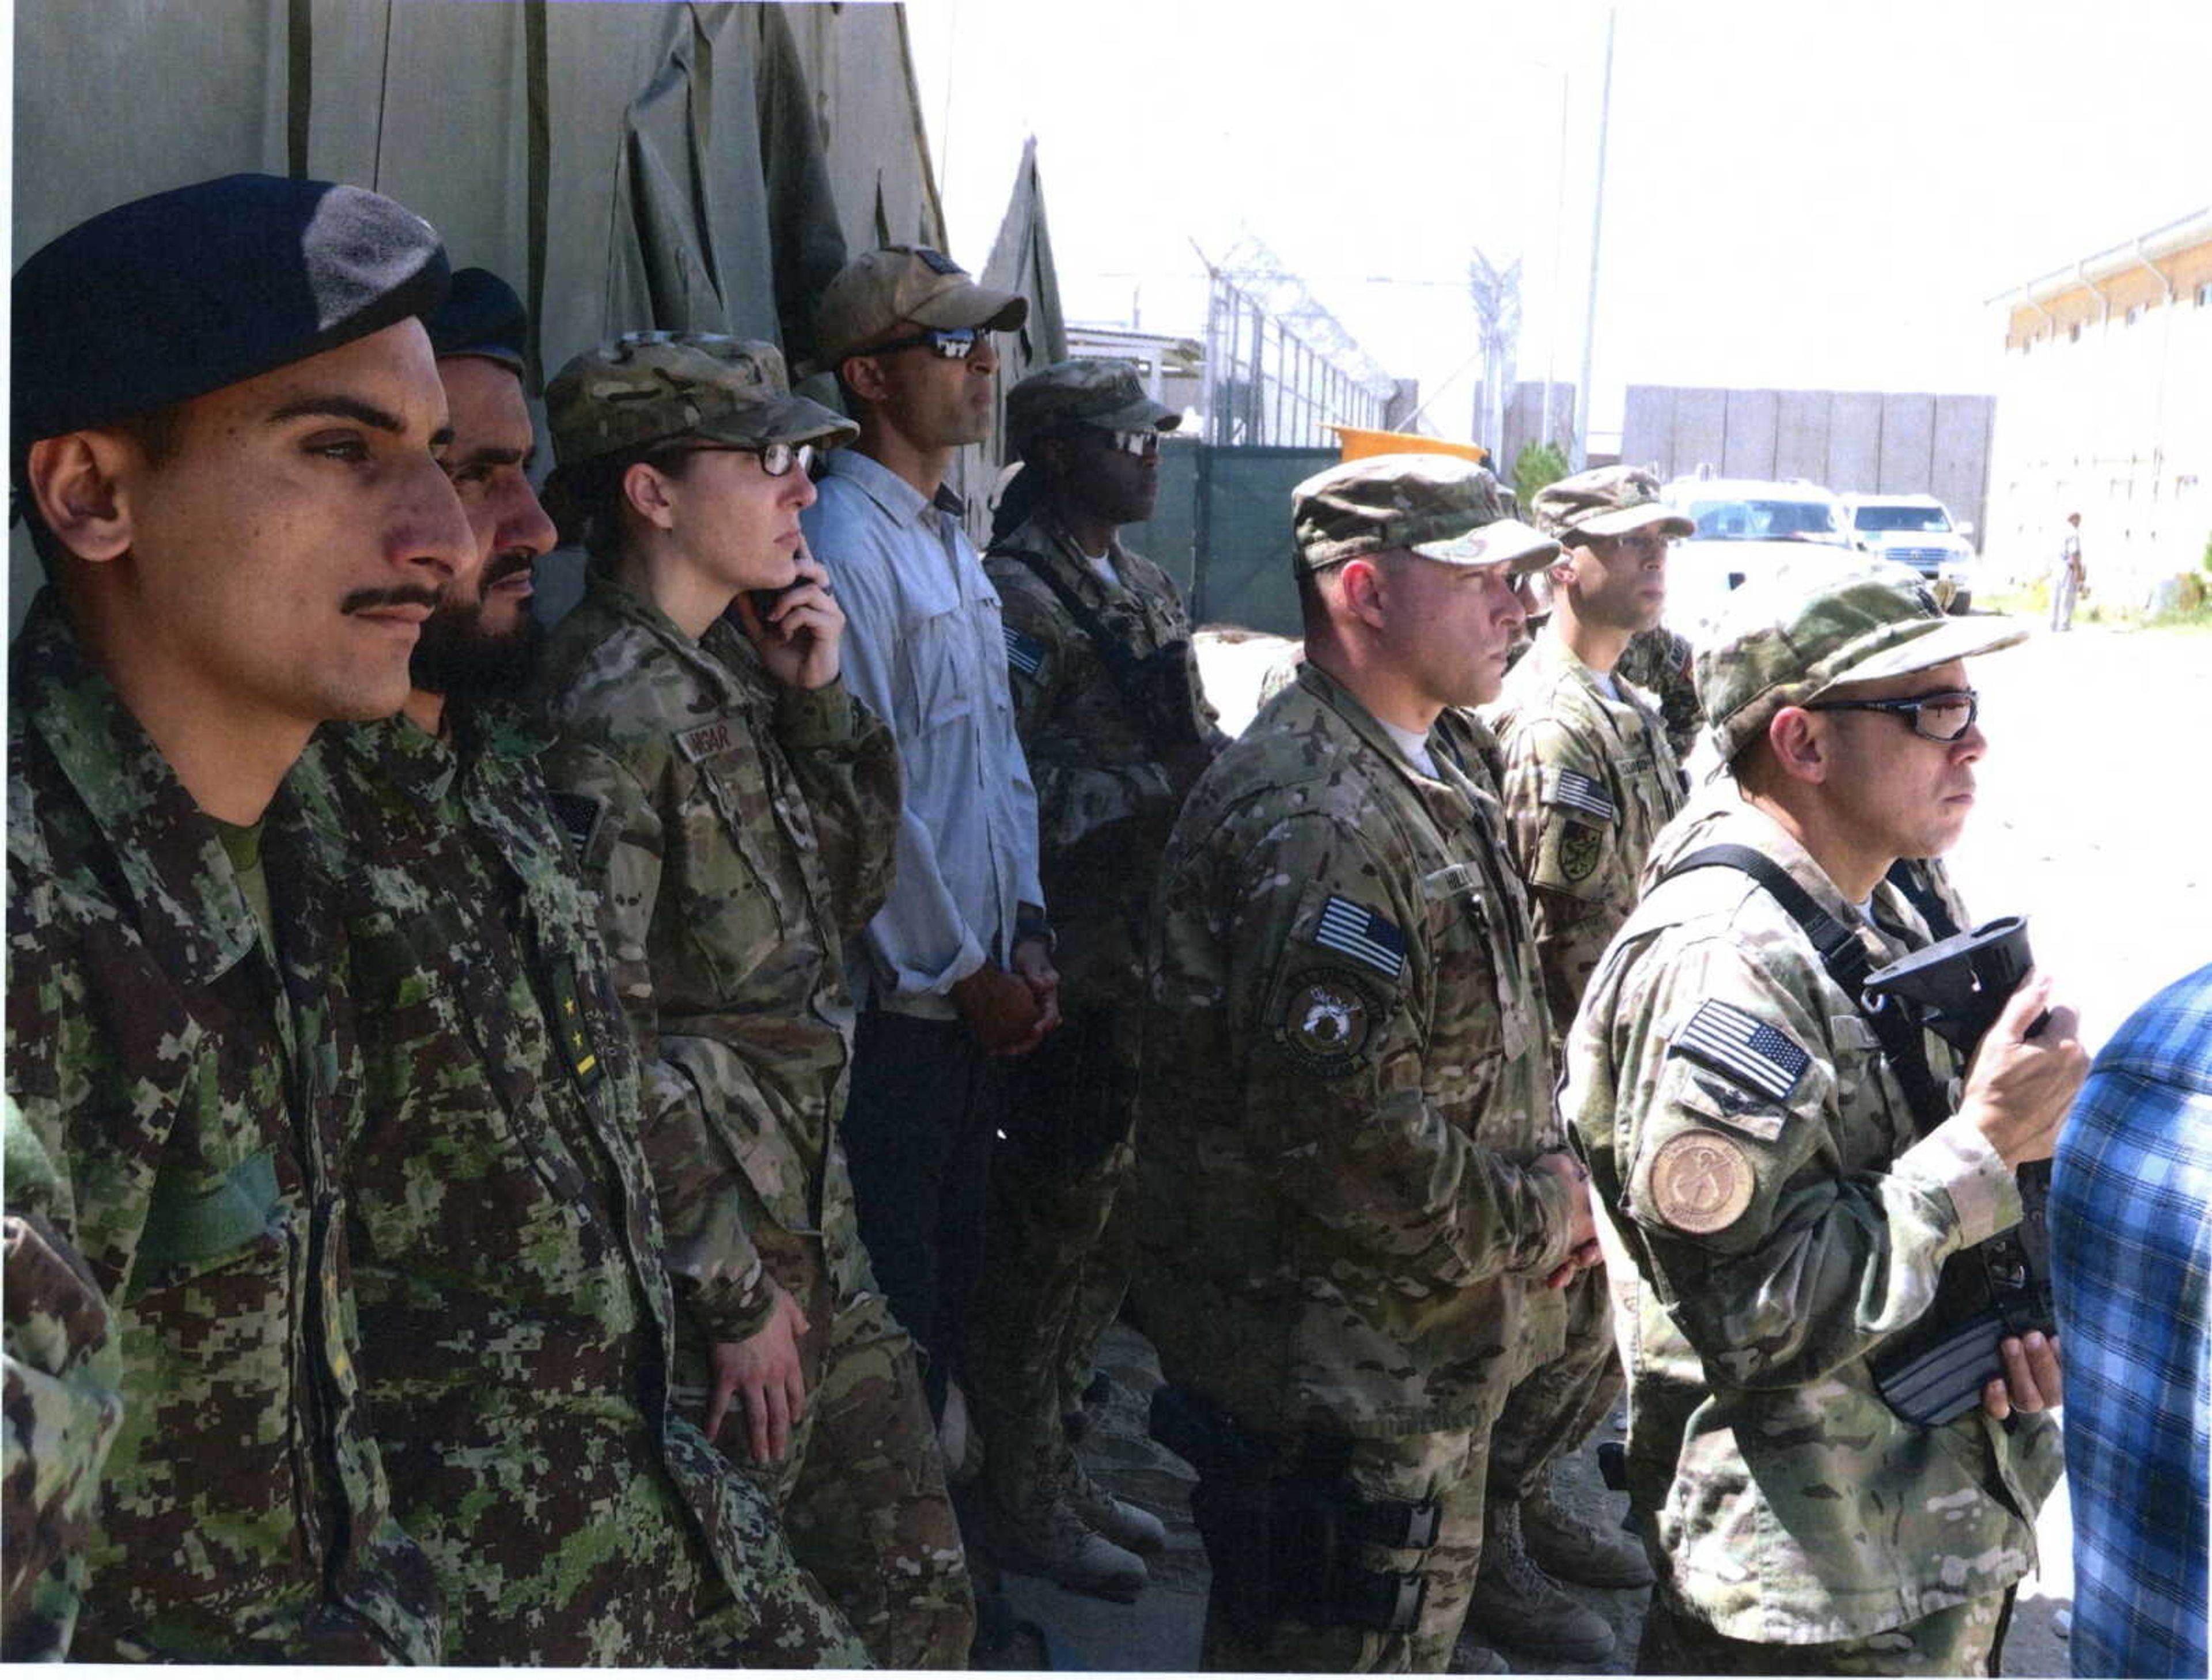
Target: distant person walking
[2067,576]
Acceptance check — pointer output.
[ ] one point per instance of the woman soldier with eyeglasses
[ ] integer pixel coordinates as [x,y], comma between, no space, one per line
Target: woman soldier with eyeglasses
[736,809]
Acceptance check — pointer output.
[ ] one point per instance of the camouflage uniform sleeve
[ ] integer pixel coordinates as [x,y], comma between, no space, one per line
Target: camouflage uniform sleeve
[713,1264]
[847,760]
[61,1407]
[1336,1112]
[1076,798]
[1730,1117]
[1564,829]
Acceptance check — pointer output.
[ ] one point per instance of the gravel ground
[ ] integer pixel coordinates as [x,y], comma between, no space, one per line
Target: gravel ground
[2091,822]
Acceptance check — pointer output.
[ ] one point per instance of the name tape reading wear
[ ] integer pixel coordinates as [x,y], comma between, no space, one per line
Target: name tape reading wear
[1584,794]
[1359,933]
[1755,1053]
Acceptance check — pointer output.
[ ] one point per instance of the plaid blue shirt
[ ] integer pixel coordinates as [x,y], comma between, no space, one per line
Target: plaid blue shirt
[2132,1252]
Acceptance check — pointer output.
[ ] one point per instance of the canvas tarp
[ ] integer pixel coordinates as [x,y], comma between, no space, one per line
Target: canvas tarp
[625,165]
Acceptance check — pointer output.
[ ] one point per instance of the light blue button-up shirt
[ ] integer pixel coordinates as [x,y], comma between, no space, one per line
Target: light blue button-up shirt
[925,648]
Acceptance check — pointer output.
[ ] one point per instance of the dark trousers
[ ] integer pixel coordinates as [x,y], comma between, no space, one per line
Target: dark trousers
[921,1112]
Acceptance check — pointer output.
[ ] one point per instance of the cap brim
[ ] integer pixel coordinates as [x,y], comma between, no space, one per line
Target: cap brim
[971,306]
[785,420]
[504,356]
[1619,521]
[1142,416]
[1503,542]
[1945,640]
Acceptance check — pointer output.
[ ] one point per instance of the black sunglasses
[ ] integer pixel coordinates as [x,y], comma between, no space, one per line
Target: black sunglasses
[1934,717]
[953,344]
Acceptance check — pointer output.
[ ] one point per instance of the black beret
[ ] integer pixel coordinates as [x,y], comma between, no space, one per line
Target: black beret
[172,296]
[481,316]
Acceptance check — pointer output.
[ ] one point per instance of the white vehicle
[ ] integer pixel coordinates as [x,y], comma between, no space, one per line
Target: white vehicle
[1918,531]
[1747,529]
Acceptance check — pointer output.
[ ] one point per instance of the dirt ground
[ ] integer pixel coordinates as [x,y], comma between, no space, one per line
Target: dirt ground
[2091,823]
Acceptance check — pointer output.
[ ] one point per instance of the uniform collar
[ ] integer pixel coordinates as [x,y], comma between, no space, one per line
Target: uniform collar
[190,911]
[1448,794]
[904,503]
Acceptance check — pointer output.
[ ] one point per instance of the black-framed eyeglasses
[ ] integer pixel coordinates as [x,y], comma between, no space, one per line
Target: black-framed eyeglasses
[953,344]
[775,459]
[1934,717]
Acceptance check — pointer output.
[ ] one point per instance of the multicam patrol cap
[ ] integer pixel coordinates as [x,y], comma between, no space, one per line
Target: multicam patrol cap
[1786,644]
[650,387]
[1439,505]
[1606,501]
[878,291]
[1087,391]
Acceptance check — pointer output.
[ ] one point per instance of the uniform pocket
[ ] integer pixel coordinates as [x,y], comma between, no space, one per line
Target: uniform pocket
[197,1223]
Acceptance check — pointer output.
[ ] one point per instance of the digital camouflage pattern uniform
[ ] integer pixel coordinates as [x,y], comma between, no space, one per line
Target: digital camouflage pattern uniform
[507,1254]
[1347,1078]
[1107,798]
[1774,1215]
[61,1407]
[185,1084]
[736,831]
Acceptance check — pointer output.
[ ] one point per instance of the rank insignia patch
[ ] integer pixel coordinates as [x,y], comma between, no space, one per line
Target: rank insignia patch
[1327,1019]
[573,1029]
[1701,1182]
[1580,848]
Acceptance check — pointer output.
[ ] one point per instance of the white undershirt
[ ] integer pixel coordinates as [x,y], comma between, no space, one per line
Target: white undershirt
[1104,565]
[1606,684]
[1414,748]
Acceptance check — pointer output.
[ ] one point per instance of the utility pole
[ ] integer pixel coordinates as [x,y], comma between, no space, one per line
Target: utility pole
[1496,295]
[1583,395]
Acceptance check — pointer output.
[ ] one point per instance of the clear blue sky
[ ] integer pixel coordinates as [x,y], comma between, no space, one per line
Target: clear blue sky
[1798,194]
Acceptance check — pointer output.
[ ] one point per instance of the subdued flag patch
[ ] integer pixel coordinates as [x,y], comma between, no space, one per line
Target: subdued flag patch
[1755,1053]
[1024,653]
[1359,933]
[1585,794]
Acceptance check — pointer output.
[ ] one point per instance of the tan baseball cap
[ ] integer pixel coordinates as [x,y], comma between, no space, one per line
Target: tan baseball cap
[1785,644]
[879,291]
[644,388]
[1440,507]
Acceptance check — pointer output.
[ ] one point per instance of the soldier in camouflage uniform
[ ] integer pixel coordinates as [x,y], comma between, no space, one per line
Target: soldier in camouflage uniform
[1589,779]
[1660,662]
[1353,1176]
[1776,1206]
[1116,729]
[63,1369]
[736,811]
[239,554]
[507,1254]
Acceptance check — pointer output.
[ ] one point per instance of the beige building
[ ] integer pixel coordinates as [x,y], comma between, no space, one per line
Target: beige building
[2105,408]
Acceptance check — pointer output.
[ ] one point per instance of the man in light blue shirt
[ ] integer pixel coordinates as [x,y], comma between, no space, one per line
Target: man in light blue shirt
[956,969]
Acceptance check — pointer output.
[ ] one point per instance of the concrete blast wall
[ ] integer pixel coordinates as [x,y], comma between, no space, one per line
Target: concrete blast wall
[1849,440]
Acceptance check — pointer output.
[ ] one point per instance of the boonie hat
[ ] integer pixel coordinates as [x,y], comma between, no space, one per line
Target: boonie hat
[481,316]
[1087,391]
[172,296]
[1606,501]
[1784,645]
[647,387]
[1439,505]
[880,290]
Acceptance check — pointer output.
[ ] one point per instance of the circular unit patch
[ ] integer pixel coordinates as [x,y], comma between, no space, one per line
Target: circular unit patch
[1327,1020]
[1701,1182]
[1580,848]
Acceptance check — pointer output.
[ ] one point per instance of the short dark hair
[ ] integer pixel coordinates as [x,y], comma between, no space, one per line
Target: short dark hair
[590,497]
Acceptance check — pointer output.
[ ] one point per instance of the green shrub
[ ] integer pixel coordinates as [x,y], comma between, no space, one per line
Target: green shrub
[1539,465]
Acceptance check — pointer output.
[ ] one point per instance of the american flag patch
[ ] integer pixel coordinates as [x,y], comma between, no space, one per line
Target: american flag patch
[1362,935]
[1584,794]
[1025,654]
[1757,1056]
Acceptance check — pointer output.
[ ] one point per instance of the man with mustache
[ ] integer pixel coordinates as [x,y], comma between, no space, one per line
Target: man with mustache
[1589,779]
[224,411]
[516,1309]
[1783,1174]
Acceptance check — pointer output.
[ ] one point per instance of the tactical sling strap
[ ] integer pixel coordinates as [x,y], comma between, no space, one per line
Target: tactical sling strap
[1845,959]
[1127,667]
[1923,898]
